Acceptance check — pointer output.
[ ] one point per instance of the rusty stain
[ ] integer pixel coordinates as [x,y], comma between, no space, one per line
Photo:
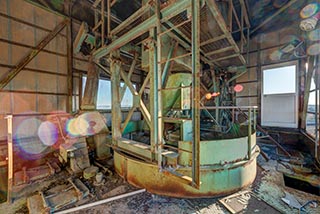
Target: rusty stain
[159,183]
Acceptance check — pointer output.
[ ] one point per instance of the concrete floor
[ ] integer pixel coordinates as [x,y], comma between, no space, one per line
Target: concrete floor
[268,186]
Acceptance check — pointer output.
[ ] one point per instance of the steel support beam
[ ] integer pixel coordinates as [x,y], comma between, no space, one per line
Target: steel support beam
[153,91]
[7,77]
[219,51]
[69,60]
[89,99]
[124,88]
[213,40]
[157,87]
[168,63]
[196,92]
[307,84]
[213,7]
[115,67]
[283,8]
[131,19]
[167,13]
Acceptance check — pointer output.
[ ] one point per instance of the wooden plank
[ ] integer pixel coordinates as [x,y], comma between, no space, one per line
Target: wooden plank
[10,158]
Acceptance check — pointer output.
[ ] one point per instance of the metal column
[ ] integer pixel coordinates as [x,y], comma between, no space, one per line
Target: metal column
[157,92]
[115,66]
[196,92]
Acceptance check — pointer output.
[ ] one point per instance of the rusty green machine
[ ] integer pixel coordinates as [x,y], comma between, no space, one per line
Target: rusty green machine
[186,145]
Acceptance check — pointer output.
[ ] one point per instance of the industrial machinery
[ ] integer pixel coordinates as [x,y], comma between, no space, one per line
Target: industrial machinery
[192,141]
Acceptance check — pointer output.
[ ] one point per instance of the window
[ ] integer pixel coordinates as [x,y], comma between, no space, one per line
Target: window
[279,98]
[313,109]
[104,95]
[280,80]
[127,100]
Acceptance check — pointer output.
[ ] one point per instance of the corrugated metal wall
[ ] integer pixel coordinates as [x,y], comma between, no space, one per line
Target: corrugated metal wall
[41,87]
[261,48]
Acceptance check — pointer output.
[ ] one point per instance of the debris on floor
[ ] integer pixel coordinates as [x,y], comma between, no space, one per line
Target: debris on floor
[246,202]
[57,197]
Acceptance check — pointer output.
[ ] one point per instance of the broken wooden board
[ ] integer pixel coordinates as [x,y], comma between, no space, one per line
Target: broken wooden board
[57,197]
[246,201]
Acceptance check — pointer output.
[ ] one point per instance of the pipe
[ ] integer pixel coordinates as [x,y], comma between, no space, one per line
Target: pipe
[86,206]
[195,8]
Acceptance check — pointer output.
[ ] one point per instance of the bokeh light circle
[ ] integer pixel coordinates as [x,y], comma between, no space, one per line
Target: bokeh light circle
[48,133]
[314,35]
[276,55]
[309,10]
[72,128]
[314,49]
[26,137]
[238,88]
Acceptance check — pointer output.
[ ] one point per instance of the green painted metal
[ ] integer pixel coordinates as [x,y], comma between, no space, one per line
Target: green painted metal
[153,91]
[167,65]
[249,131]
[217,152]
[171,96]
[115,67]
[215,179]
[195,10]
[133,126]
[135,147]
[157,81]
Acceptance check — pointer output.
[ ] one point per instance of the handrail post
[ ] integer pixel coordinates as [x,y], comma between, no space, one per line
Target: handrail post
[249,133]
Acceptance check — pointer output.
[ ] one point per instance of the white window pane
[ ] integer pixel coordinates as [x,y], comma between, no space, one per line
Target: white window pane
[84,80]
[127,100]
[279,80]
[104,94]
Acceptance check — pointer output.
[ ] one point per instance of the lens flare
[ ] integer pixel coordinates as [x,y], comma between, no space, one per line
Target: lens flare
[72,128]
[314,35]
[275,55]
[238,88]
[279,3]
[309,10]
[314,49]
[48,133]
[27,139]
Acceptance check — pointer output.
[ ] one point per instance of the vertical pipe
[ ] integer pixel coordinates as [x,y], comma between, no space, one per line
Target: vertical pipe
[249,133]
[102,22]
[196,92]
[109,18]
[254,118]
[157,87]
[115,107]
[316,61]
[153,111]
[10,158]
[70,61]
[96,21]
[241,30]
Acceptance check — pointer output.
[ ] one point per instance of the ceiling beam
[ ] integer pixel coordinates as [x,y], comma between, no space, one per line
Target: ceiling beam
[283,8]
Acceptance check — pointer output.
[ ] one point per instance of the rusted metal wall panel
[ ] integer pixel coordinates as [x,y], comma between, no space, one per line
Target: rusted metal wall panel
[25,81]
[5,102]
[262,47]
[23,103]
[47,103]
[42,86]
